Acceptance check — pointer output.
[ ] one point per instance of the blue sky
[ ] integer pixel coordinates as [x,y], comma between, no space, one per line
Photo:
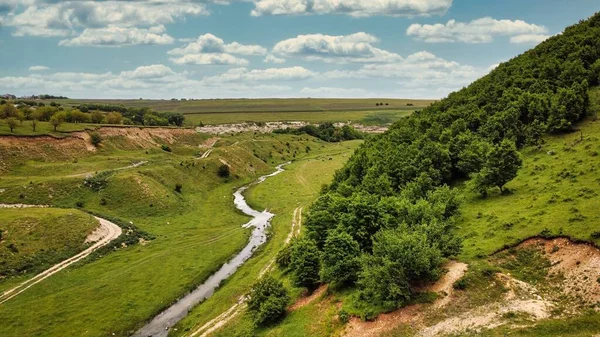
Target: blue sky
[267,48]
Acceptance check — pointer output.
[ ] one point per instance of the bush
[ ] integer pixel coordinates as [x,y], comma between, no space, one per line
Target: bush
[268,300]
[178,188]
[223,171]
[305,264]
[96,138]
[166,148]
[284,257]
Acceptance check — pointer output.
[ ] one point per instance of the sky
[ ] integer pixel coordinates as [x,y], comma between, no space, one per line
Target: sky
[162,49]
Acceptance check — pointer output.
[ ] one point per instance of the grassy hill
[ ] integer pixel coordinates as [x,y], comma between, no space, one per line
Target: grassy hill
[34,239]
[194,231]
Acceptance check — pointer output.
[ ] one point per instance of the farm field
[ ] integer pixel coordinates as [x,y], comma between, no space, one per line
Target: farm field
[177,238]
[228,111]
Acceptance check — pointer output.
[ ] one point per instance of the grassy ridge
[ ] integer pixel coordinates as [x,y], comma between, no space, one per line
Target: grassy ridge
[35,238]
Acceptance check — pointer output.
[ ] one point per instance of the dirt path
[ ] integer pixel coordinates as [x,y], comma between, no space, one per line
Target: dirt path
[110,231]
[89,174]
[304,301]
[206,154]
[220,321]
[412,314]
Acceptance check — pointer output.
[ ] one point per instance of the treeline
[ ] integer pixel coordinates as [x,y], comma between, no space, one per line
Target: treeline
[326,131]
[139,116]
[386,223]
[16,114]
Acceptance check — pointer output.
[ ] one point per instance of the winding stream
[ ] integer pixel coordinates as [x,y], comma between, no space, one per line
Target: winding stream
[160,325]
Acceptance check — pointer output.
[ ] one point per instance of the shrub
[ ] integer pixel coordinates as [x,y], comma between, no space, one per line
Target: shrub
[96,138]
[79,204]
[268,300]
[284,257]
[460,284]
[305,264]
[178,188]
[166,148]
[223,171]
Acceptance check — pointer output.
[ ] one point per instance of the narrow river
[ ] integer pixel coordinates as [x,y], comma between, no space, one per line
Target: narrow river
[160,325]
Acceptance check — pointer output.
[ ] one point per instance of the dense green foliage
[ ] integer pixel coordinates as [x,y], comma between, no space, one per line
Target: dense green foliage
[305,263]
[392,198]
[268,300]
[139,116]
[326,131]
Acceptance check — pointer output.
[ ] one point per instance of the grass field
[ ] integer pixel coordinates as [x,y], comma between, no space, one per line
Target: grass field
[257,105]
[196,230]
[33,239]
[43,128]
[226,111]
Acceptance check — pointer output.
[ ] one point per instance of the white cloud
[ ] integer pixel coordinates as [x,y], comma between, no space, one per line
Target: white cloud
[274,59]
[209,49]
[154,81]
[480,30]
[356,8]
[331,92]
[356,47]
[119,36]
[64,18]
[418,70]
[271,74]
[207,59]
[529,38]
[208,43]
[38,68]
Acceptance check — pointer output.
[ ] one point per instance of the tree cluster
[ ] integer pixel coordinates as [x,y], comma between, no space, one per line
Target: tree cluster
[386,223]
[326,131]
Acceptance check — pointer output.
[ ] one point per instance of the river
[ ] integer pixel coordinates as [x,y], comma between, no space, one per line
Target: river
[160,325]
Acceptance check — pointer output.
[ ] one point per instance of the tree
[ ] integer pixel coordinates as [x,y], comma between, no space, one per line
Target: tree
[20,116]
[12,123]
[58,119]
[340,258]
[95,138]
[401,259]
[34,123]
[97,117]
[8,110]
[502,164]
[80,117]
[223,171]
[305,264]
[267,302]
[114,118]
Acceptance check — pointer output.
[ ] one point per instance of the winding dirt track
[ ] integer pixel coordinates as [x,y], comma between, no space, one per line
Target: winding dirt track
[237,308]
[86,174]
[110,231]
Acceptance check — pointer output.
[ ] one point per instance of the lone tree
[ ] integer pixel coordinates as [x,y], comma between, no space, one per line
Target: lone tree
[223,171]
[95,138]
[34,123]
[58,119]
[268,299]
[502,164]
[12,123]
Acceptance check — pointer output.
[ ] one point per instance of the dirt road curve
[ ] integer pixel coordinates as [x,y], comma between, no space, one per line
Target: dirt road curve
[110,231]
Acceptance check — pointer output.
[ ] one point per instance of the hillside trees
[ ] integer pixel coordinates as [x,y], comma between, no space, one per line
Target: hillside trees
[57,119]
[392,197]
[340,258]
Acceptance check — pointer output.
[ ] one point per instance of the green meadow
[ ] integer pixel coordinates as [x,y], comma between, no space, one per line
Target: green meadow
[195,230]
